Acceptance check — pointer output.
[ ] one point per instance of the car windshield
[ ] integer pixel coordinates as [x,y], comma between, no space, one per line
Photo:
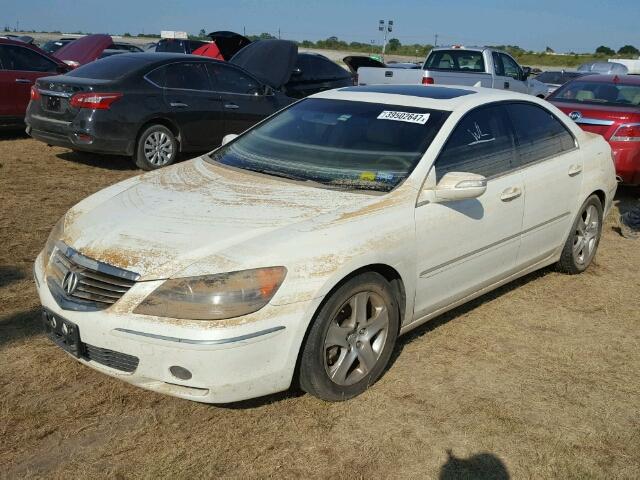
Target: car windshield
[601,93]
[344,144]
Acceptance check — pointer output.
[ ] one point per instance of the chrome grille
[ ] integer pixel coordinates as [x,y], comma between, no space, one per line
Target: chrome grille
[97,285]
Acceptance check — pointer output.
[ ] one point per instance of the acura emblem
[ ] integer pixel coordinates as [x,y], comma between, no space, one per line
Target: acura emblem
[575,115]
[70,282]
[52,86]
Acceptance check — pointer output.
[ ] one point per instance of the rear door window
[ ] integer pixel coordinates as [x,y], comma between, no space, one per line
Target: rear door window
[481,143]
[456,60]
[232,80]
[24,59]
[187,76]
[539,134]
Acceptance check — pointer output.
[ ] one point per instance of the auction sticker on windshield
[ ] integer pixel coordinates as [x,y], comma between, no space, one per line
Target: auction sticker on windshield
[420,118]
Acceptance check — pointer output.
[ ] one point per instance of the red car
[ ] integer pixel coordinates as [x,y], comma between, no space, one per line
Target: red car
[21,64]
[608,105]
[84,50]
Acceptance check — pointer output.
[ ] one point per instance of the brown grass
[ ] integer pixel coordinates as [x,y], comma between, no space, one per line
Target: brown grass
[537,380]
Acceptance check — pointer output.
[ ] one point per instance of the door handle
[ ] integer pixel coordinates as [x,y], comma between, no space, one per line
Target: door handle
[575,170]
[24,80]
[506,85]
[231,106]
[510,194]
[178,104]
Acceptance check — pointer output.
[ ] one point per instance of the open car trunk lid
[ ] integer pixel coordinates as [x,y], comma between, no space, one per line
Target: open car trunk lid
[354,62]
[84,49]
[270,61]
[229,43]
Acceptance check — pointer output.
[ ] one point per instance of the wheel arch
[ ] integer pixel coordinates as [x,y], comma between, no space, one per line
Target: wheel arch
[388,272]
[159,121]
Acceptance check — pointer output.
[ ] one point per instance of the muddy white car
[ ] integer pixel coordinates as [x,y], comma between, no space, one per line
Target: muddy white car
[300,250]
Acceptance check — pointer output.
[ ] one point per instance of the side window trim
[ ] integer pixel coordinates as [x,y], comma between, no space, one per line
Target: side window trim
[166,65]
[48,61]
[237,70]
[522,166]
[515,161]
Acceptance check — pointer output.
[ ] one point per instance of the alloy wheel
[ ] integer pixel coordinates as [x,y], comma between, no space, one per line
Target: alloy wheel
[356,338]
[586,235]
[158,149]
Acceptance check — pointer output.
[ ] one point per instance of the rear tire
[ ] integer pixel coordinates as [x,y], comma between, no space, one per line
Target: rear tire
[582,244]
[157,147]
[351,339]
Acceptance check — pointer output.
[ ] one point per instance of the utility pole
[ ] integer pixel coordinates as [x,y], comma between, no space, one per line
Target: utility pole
[278,33]
[386,28]
[435,43]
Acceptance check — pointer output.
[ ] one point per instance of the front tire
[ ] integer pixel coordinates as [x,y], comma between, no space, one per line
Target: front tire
[157,147]
[351,339]
[582,244]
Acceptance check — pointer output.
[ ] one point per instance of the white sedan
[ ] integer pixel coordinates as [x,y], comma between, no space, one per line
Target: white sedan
[300,250]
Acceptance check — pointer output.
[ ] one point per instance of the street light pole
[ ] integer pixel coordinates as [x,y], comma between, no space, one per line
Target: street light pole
[386,28]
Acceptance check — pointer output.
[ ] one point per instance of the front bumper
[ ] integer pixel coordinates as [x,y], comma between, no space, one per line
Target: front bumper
[251,356]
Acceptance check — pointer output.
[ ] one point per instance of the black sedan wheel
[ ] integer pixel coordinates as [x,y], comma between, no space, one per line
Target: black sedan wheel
[157,147]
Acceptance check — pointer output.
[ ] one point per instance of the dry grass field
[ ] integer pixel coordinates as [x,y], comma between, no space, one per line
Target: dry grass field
[538,380]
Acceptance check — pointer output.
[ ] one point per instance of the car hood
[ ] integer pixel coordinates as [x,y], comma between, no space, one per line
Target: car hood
[229,43]
[85,49]
[160,223]
[270,61]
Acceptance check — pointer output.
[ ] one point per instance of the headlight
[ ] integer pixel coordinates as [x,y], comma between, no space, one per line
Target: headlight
[54,237]
[214,297]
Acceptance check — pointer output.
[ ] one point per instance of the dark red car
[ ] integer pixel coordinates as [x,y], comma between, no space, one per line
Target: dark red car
[21,64]
[608,105]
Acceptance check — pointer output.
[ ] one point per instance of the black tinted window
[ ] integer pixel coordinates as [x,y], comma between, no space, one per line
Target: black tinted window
[459,60]
[171,45]
[109,68]
[539,134]
[23,59]
[481,143]
[232,80]
[189,76]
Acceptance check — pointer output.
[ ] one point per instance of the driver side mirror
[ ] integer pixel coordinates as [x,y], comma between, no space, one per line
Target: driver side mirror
[526,72]
[455,186]
[227,138]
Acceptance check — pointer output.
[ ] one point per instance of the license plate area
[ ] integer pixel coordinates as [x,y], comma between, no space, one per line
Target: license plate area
[63,333]
[51,104]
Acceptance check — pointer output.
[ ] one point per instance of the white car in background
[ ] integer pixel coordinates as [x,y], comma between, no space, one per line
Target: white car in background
[480,67]
[305,246]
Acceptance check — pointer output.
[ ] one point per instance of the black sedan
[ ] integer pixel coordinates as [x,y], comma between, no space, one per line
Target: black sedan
[153,105]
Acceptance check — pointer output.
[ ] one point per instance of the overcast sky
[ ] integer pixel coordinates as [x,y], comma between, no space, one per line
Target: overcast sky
[564,25]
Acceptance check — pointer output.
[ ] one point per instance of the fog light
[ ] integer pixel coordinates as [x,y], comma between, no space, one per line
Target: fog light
[180,372]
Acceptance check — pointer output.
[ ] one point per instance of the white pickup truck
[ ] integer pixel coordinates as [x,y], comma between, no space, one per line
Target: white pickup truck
[482,67]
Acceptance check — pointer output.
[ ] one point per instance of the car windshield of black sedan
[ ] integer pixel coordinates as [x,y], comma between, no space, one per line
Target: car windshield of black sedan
[354,145]
[609,93]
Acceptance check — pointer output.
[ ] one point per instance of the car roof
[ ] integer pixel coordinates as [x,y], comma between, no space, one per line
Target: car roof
[448,98]
[614,78]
